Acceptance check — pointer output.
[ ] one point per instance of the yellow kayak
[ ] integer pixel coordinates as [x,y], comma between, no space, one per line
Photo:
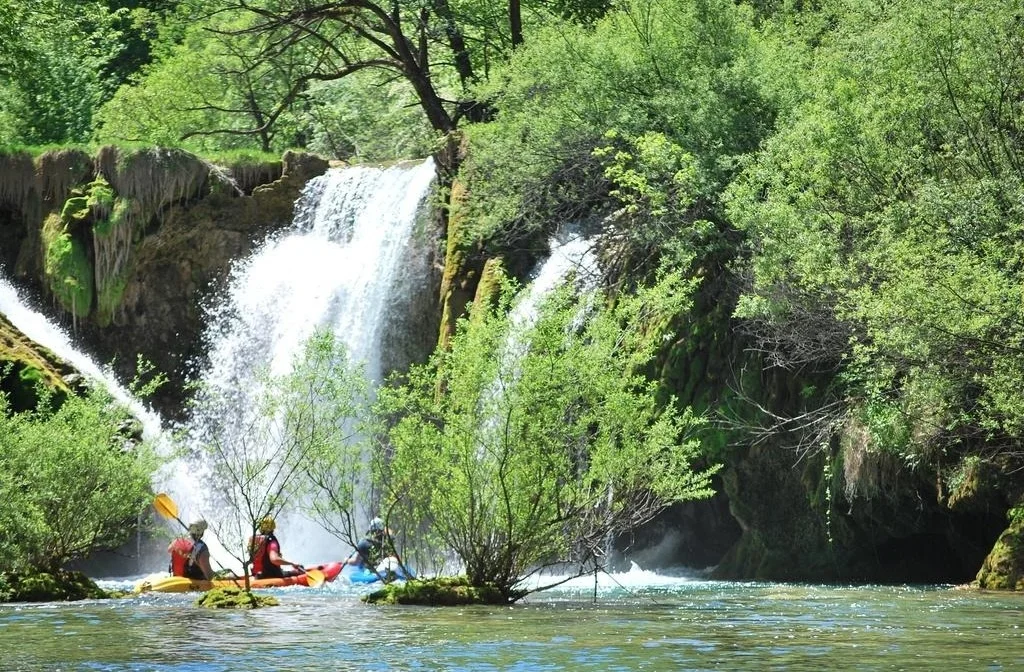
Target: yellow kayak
[161,583]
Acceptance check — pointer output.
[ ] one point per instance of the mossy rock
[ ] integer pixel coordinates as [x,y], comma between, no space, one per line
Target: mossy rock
[27,368]
[234,598]
[68,270]
[1003,569]
[75,208]
[489,288]
[441,592]
[48,587]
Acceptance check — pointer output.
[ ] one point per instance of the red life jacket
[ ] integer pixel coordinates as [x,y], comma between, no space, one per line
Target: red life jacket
[181,549]
[262,567]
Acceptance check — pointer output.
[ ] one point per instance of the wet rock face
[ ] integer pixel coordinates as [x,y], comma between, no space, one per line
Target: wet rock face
[800,524]
[181,264]
[189,221]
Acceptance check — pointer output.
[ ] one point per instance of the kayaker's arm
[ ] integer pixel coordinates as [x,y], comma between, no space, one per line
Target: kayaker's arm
[278,559]
[204,564]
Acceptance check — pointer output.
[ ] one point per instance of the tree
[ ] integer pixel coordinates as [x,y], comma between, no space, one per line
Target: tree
[538,456]
[886,209]
[342,38]
[71,479]
[259,452]
[208,92]
[53,60]
[674,69]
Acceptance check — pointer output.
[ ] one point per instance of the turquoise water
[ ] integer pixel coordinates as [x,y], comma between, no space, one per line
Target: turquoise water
[638,621]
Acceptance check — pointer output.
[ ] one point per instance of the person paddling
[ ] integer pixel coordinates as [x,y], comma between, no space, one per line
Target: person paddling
[370,549]
[190,556]
[266,554]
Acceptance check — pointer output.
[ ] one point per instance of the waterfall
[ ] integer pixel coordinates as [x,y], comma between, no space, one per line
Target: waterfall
[570,253]
[357,246]
[571,256]
[40,329]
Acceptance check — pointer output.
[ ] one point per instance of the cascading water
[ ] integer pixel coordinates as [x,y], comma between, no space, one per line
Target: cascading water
[571,256]
[571,253]
[356,246]
[40,329]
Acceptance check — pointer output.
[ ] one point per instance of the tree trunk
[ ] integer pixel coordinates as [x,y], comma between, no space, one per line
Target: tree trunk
[515,22]
[456,43]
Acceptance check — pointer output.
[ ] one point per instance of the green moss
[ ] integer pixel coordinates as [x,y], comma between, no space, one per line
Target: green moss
[26,368]
[75,208]
[100,198]
[444,591]
[1003,569]
[108,299]
[48,587]
[234,598]
[67,268]
[488,290]
[461,265]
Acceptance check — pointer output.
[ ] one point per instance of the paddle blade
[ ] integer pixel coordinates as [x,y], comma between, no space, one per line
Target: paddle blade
[314,578]
[165,506]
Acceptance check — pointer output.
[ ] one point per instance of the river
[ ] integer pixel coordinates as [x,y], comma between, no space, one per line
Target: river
[632,621]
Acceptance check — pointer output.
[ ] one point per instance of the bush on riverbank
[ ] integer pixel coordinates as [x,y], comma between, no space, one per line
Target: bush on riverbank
[73,481]
[441,592]
[58,586]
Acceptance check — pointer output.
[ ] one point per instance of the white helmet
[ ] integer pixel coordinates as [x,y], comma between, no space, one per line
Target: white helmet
[376,525]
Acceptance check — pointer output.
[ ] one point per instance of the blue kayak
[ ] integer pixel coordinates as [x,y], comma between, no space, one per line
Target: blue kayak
[389,566]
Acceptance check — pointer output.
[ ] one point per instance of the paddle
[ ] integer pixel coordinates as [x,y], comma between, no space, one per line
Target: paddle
[166,507]
[314,578]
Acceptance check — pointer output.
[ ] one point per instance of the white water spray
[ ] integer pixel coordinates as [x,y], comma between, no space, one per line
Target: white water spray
[348,256]
[41,330]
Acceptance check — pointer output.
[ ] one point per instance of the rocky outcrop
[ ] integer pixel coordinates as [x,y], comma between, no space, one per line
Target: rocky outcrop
[1003,568]
[27,369]
[126,244]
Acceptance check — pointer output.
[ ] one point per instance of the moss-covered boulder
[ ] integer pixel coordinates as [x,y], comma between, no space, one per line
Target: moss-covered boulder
[1003,569]
[234,598]
[66,263]
[48,587]
[440,592]
[26,368]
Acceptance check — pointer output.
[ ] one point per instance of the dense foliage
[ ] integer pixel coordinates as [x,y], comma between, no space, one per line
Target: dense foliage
[543,445]
[71,480]
[843,178]
[883,220]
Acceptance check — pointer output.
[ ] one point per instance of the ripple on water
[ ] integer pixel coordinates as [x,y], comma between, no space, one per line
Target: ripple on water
[693,627]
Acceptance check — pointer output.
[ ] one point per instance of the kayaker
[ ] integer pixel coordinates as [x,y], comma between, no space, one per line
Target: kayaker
[266,554]
[370,548]
[190,556]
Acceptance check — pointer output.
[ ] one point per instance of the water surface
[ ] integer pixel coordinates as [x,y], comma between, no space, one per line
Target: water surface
[633,621]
